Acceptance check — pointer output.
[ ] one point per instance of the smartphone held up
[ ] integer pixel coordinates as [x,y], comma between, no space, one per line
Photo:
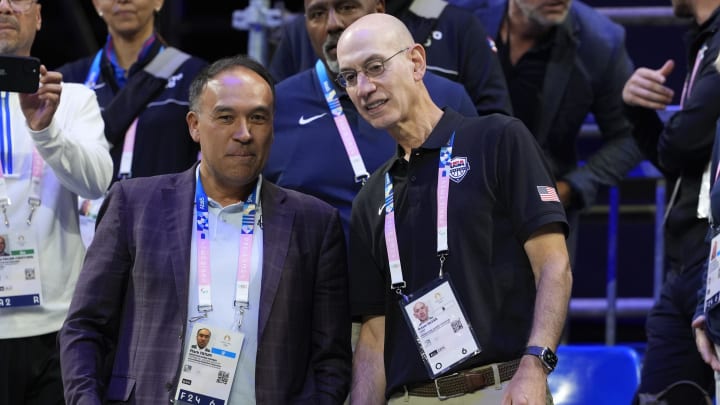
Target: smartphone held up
[19,74]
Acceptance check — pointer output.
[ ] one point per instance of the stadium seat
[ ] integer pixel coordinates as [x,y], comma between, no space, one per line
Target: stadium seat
[595,375]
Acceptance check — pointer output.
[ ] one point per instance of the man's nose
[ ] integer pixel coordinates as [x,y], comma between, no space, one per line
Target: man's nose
[242,132]
[334,21]
[5,6]
[365,85]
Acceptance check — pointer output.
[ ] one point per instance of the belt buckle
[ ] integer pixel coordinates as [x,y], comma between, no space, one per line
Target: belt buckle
[437,388]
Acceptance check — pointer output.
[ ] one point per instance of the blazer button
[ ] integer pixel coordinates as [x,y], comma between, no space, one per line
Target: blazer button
[168,386]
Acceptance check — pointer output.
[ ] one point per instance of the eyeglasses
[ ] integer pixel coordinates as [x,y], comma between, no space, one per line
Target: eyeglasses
[20,6]
[373,68]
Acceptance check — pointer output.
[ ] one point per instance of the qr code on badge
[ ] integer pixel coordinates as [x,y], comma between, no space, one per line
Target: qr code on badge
[223,377]
[456,325]
[187,368]
[29,274]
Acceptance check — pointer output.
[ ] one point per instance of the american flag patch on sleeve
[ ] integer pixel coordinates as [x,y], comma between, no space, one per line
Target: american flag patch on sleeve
[547,193]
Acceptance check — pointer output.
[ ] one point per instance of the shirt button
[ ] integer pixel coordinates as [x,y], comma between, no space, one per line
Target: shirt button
[413,178]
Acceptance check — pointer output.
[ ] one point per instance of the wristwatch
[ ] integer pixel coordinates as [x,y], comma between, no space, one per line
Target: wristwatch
[545,354]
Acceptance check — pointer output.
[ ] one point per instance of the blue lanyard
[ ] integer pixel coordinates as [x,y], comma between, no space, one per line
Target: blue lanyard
[341,123]
[6,149]
[204,274]
[94,72]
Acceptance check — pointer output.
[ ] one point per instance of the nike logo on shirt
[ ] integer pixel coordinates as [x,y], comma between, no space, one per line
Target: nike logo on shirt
[304,121]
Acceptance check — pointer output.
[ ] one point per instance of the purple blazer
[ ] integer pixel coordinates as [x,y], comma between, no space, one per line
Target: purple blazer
[123,337]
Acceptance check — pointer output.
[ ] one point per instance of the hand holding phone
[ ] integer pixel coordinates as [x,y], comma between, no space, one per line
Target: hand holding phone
[39,107]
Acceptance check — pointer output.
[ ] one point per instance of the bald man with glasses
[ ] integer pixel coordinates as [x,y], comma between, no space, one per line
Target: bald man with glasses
[465,218]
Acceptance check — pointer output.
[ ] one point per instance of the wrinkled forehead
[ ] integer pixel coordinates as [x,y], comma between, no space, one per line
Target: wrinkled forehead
[357,47]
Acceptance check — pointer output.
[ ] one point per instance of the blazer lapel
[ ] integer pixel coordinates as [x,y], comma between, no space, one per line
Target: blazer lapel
[178,201]
[559,69]
[277,220]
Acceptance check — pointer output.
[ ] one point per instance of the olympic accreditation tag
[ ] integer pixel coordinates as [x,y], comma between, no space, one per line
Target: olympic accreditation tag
[209,365]
[20,284]
[438,322]
[712,290]
[88,211]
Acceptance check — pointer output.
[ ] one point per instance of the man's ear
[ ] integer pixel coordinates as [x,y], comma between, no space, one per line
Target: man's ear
[38,25]
[380,6]
[418,57]
[192,121]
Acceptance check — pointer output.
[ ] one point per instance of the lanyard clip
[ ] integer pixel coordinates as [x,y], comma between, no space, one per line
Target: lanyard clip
[34,203]
[240,308]
[4,203]
[198,317]
[442,256]
[399,287]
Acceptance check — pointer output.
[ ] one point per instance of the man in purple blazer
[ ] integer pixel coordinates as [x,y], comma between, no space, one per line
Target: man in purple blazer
[214,247]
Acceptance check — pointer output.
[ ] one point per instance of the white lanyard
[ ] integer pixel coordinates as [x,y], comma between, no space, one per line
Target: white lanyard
[242,283]
[443,190]
[126,159]
[341,123]
[690,81]
[35,174]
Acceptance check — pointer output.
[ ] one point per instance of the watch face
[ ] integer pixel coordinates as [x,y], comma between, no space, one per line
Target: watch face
[546,356]
[550,358]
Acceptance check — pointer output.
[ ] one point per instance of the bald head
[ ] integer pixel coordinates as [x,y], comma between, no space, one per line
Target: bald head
[374,30]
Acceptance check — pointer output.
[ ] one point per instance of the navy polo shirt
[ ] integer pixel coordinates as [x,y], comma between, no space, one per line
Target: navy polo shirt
[308,155]
[492,210]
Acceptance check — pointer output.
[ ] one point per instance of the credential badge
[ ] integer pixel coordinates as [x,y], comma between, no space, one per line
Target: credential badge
[459,166]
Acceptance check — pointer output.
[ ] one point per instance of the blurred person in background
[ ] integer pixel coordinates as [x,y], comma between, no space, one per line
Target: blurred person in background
[142,86]
[53,150]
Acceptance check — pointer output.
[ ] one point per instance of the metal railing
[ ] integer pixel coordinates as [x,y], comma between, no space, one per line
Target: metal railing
[656,16]
[612,307]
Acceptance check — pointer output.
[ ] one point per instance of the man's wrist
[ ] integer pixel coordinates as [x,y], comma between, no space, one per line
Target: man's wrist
[544,355]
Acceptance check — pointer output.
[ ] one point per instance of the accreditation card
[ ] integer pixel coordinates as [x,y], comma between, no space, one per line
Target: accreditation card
[712,289]
[208,372]
[20,284]
[438,322]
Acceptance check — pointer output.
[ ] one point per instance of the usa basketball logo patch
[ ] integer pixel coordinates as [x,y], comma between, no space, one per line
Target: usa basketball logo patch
[459,166]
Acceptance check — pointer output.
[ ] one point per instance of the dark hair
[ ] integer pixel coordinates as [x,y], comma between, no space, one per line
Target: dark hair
[222,65]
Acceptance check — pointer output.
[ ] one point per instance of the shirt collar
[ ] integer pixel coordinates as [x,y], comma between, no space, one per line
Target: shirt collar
[237,207]
[120,76]
[440,134]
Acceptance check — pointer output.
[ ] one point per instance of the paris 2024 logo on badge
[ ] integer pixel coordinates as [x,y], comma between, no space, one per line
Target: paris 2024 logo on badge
[459,166]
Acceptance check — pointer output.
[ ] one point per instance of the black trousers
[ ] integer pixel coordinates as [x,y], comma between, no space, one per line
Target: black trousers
[671,353]
[30,371]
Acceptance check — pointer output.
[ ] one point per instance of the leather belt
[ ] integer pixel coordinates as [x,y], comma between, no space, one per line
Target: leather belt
[464,382]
